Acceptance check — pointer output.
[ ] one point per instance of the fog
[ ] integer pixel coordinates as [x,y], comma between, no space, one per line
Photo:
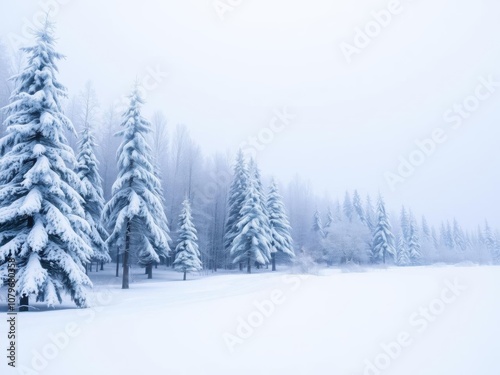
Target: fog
[230,76]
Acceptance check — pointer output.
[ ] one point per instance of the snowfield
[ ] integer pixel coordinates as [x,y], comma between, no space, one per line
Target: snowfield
[405,321]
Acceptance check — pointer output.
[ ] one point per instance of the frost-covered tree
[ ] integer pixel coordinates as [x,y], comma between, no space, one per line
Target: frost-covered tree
[405,224]
[426,231]
[414,246]
[358,206]
[458,236]
[280,227]
[236,199]
[383,239]
[489,239]
[370,213]
[252,242]
[187,255]
[92,194]
[347,207]
[41,213]
[329,218]
[135,213]
[403,253]
[317,226]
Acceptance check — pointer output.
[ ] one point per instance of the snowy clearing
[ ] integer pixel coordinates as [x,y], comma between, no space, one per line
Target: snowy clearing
[422,320]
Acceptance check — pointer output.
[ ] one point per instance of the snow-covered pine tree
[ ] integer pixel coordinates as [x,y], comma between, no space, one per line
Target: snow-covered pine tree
[317,226]
[358,206]
[252,242]
[348,208]
[405,224]
[41,213]
[414,246]
[236,199]
[426,231]
[370,213]
[187,254]
[383,239]
[489,239]
[92,193]
[280,226]
[329,218]
[403,254]
[135,214]
[458,236]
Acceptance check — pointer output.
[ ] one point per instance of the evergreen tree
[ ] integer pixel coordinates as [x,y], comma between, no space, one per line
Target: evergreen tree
[236,199]
[41,213]
[405,224]
[348,207]
[92,194]
[489,239]
[187,255]
[403,253]
[280,226]
[435,240]
[135,213]
[318,224]
[383,239]
[252,243]
[329,218]
[358,206]
[370,214]
[426,231]
[458,236]
[414,241]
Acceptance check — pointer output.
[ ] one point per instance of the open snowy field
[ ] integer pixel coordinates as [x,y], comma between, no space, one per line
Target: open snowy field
[412,321]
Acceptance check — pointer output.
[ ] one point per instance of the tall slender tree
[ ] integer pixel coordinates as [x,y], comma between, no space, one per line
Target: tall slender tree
[92,193]
[414,246]
[383,239]
[403,254]
[41,213]
[135,213]
[280,227]
[252,242]
[187,254]
[236,199]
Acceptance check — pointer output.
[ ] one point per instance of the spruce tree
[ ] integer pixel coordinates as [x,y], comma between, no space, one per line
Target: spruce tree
[236,199]
[41,214]
[252,243]
[383,239]
[348,207]
[187,255]
[280,227]
[414,241]
[370,213]
[403,254]
[92,194]
[135,213]
[358,206]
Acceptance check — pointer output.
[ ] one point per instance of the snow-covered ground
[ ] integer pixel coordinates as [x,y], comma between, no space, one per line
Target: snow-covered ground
[412,321]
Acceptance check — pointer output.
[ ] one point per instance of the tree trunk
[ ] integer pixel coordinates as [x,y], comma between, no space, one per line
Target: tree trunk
[249,265]
[125,282]
[102,266]
[273,258]
[184,275]
[241,266]
[149,268]
[96,266]
[24,303]
[117,262]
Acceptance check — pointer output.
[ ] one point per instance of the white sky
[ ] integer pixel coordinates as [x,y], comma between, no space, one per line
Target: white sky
[353,121]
